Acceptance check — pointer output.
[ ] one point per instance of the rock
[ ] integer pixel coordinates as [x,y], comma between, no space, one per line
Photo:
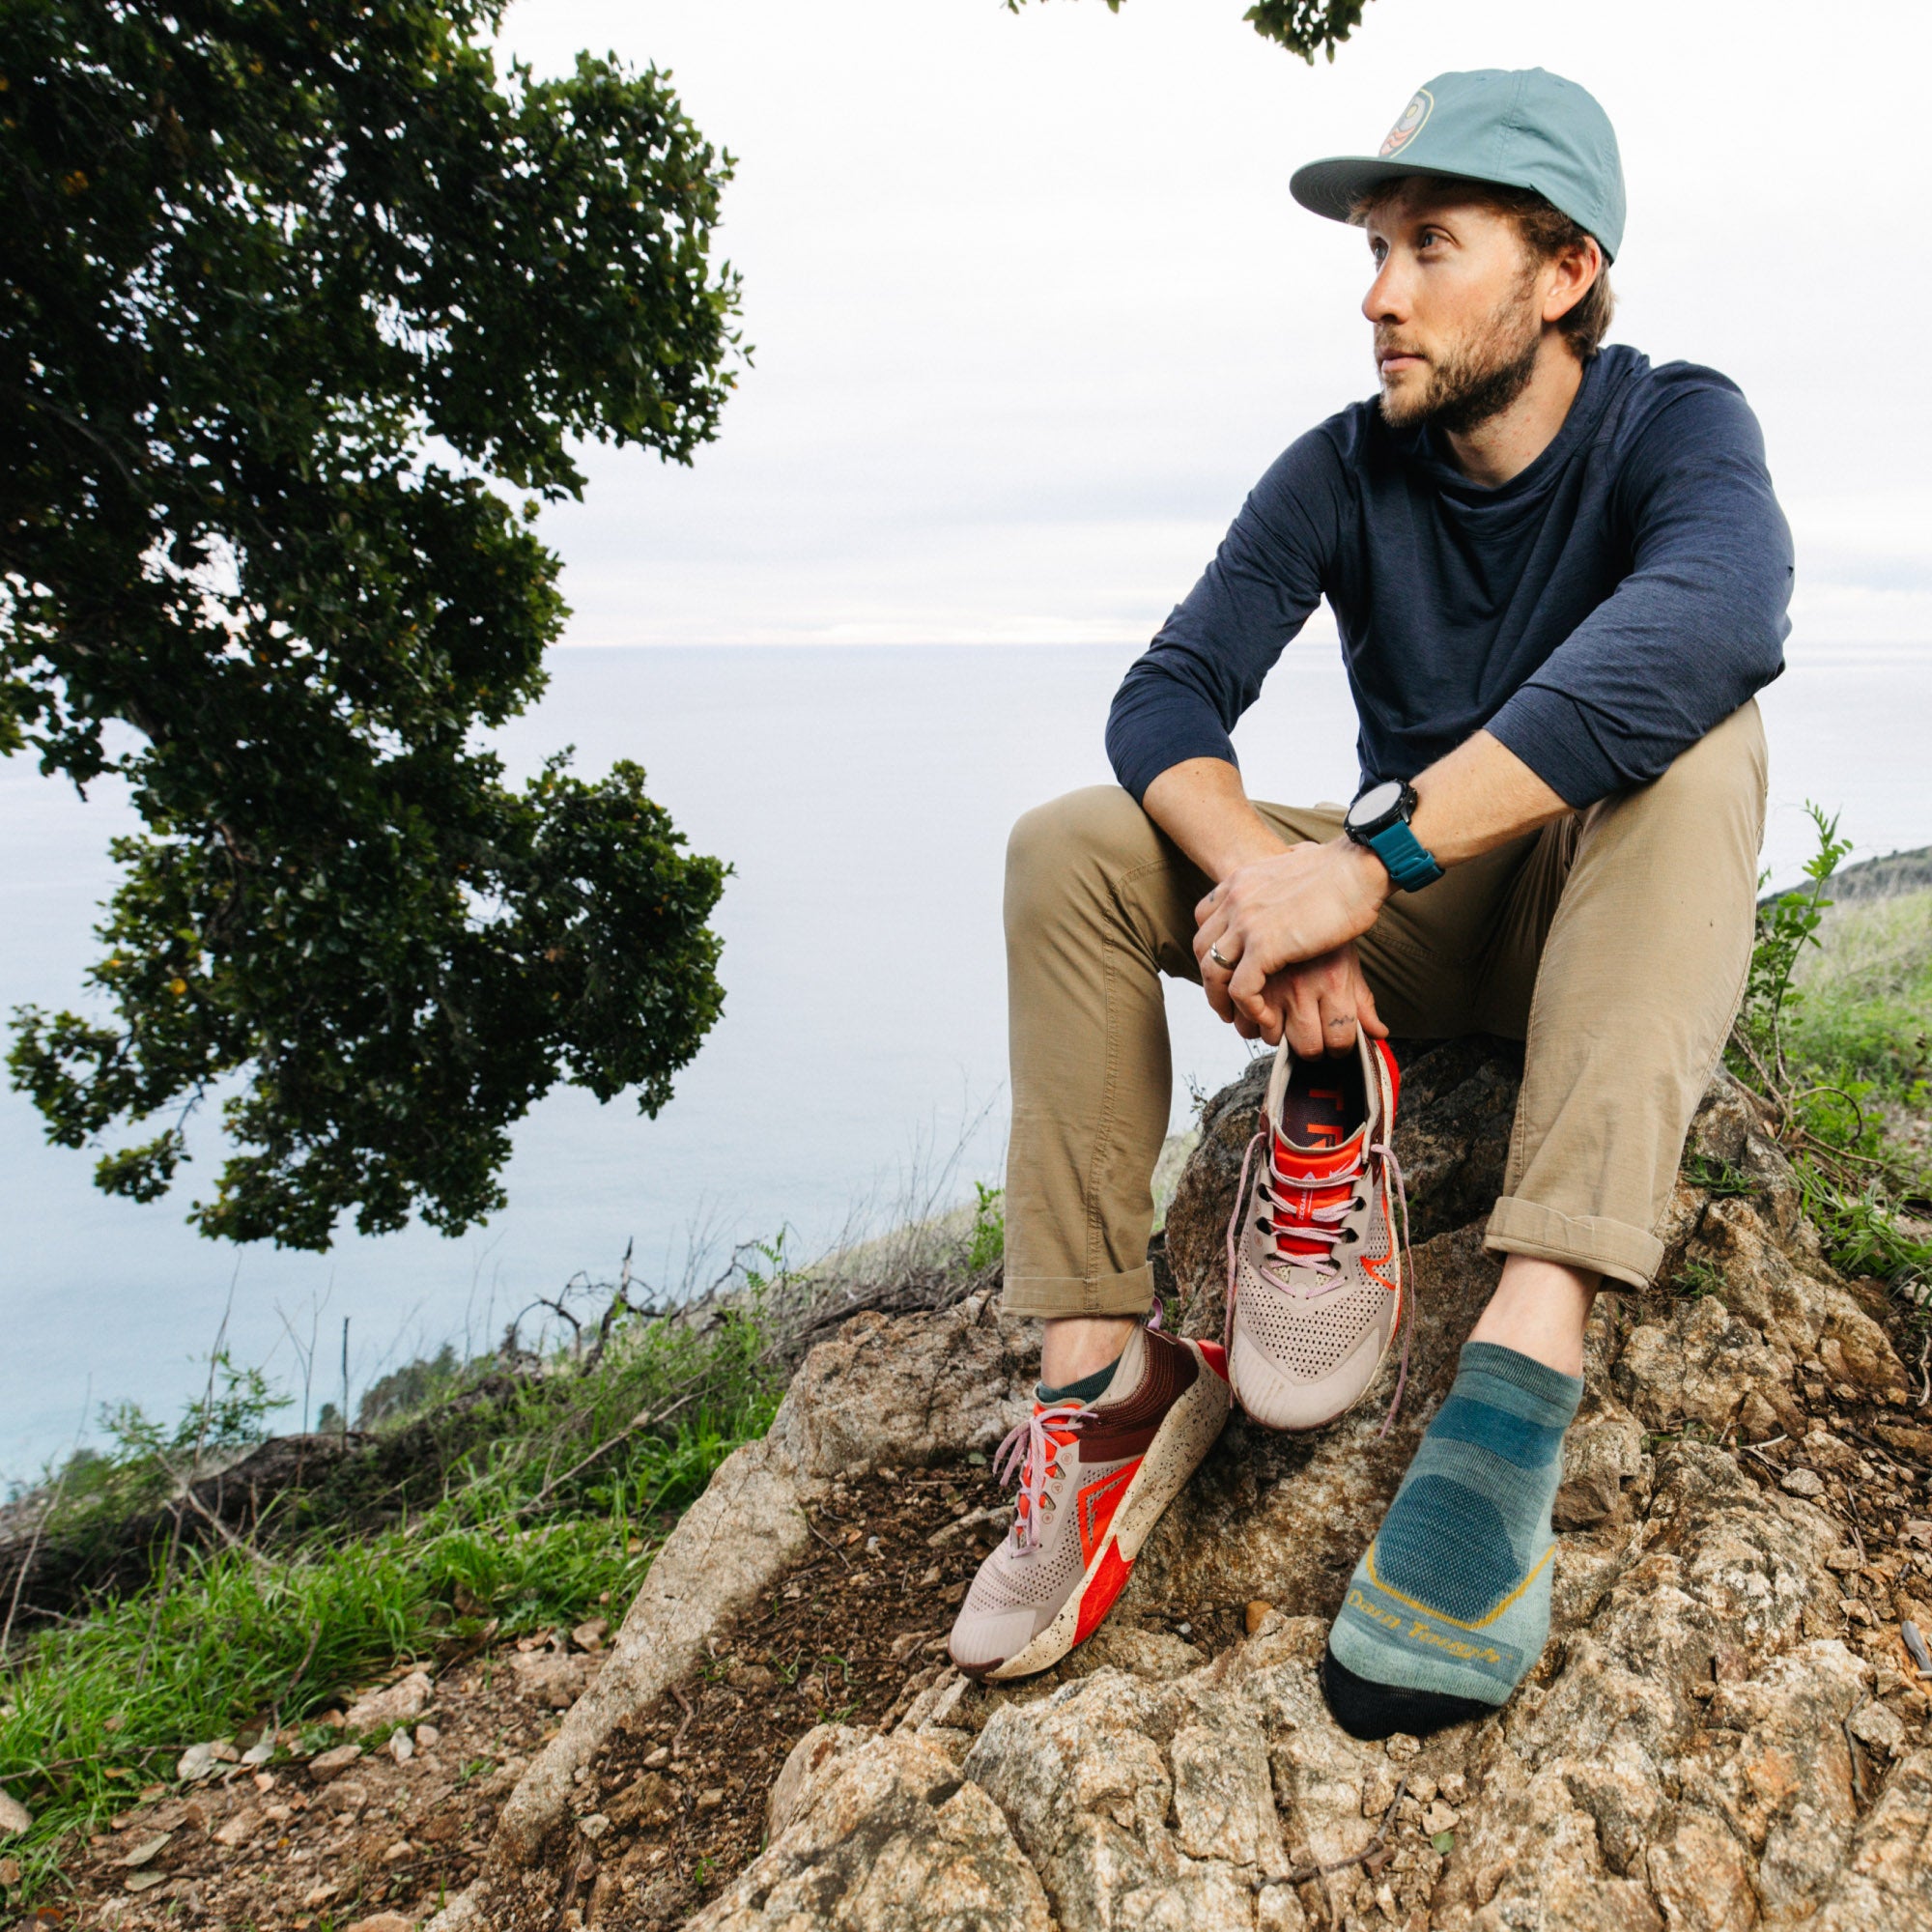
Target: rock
[907,1391]
[1882,1882]
[1680,1760]
[646,1802]
[385,1921]
[398,1704]
[14,1817]
[1880,1726]
[590,1636]
[330,1765]
[1836,1458]
[1603,1451]
[890,1839]
[793,1784]
[401,1747]
[239,1829]
[1698,1368]
[554,1679]
[427,1737]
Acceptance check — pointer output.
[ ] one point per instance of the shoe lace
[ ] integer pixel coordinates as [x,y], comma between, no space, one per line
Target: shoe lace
[1028,1450]
[1318,1229]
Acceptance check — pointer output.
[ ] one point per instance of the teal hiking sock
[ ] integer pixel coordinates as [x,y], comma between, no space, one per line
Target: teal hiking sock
[1084,1390]
[1449,1607]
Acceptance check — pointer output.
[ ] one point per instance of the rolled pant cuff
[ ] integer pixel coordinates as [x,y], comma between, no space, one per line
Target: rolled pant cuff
[1051,1298]
[1624,1253]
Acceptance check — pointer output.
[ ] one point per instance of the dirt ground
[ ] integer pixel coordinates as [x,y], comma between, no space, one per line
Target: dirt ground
[849,1635]
[279,1851]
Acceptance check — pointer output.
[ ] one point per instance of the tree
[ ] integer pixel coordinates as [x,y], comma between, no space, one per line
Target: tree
[1301,26]
[291,291]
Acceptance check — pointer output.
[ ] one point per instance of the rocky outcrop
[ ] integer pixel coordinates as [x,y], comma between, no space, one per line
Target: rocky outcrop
[1723,1733]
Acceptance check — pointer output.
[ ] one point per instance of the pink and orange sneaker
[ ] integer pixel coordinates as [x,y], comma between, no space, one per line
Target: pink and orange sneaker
[1093,1482]
[1316,1289]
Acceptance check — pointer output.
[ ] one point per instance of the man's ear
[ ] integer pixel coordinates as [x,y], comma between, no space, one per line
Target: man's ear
[1576,271]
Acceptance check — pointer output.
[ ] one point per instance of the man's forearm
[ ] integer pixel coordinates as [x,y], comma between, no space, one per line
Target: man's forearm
[1202,804]
[1478,797]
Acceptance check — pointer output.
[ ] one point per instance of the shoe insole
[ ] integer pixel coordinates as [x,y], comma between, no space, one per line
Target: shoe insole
[1325,1101]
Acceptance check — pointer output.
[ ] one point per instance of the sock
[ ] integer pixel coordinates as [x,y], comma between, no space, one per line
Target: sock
[1449,1607]
[1084,1390]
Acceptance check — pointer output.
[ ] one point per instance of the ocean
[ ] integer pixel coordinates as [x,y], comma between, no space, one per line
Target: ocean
[861,795]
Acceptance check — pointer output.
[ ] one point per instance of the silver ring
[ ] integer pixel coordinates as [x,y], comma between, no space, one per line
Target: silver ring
[1226,965]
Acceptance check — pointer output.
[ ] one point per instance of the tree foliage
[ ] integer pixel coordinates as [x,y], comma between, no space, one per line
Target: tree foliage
[286,286]
[1304,28]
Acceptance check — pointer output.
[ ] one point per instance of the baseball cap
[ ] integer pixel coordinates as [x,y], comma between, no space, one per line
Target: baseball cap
[1521,128]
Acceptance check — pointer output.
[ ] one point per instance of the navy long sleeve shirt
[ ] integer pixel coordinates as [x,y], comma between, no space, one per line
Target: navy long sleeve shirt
[1598,614]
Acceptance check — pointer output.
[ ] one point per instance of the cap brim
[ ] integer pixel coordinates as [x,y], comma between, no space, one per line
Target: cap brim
[1335,187]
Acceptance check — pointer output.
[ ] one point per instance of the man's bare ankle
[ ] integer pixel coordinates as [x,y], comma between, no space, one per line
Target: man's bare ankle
[1082,1344]
[1540,1309]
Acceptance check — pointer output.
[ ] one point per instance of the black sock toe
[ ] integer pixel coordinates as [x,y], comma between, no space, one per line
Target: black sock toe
[1366,1709]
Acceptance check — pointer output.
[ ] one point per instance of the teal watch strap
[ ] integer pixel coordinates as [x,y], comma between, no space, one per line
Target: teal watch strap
[1408,860]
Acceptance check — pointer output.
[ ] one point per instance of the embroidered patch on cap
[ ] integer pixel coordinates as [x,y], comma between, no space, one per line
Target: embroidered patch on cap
[1409,125]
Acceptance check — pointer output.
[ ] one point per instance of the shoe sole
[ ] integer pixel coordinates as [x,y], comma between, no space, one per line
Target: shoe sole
[1335,1415]
[1189,1431]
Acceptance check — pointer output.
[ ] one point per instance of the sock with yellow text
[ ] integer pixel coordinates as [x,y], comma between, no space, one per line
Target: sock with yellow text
[1449,1607]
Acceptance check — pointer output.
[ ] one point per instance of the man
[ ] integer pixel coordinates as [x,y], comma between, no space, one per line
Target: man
[1560,574]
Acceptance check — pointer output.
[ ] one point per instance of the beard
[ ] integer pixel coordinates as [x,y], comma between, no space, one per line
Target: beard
[1474,380]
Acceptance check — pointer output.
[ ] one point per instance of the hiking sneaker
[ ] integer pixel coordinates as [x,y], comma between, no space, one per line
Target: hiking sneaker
[1093,1482]
[1315,1280]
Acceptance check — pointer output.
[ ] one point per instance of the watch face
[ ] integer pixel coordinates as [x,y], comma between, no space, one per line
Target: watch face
[1378,802]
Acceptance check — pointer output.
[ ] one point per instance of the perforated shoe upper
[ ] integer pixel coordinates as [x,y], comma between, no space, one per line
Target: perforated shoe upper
[1315,1286]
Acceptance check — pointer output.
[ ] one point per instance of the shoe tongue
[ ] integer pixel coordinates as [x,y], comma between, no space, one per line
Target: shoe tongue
[1295,1205]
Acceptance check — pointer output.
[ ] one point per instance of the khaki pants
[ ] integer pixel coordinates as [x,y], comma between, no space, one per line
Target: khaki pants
[1613,942]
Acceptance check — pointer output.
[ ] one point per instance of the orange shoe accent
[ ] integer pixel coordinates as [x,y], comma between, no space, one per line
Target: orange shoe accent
[1215,1357]
[1109,1581]
[1098,1503]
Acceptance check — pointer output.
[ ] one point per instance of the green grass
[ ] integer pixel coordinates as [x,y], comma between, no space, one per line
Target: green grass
[515,1534]
[1834,1034]
[1864,1015]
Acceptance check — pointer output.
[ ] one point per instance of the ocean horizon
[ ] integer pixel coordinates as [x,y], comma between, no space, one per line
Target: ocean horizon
[862,792]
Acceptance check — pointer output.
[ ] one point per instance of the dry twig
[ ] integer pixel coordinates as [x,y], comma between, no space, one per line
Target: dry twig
[1303,1873]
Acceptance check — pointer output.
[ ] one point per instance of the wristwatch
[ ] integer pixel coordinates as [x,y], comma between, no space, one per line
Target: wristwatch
[1379,819]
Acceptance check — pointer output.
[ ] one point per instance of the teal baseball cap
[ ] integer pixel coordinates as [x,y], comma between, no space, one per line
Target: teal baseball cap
[1521,128]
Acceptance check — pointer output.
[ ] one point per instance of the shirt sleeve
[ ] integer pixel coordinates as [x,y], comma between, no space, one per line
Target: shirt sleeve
[1696,627]
[1182,697]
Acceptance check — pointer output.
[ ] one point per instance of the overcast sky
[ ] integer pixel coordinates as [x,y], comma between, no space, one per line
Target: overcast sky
[1032,308]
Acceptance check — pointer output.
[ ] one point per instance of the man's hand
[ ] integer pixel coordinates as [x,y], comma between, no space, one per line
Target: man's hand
[1319,1004]
[1275,941]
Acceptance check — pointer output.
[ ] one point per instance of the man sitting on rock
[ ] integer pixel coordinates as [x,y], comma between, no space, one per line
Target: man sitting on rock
[1560,575]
